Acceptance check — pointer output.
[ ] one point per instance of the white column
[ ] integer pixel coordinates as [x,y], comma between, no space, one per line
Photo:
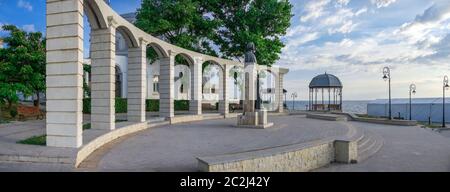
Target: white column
[195,104]
[64,72]
[137,76]
[166,92]
[279,92]
[223,97]
[103,87]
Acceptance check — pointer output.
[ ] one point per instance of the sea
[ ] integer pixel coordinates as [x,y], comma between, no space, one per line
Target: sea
[359,107]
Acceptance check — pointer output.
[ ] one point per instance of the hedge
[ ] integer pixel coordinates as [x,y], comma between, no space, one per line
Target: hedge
[151,105]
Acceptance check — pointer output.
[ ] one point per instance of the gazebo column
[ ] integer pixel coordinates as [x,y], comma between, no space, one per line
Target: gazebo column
[166,89]
[279,92]
[329,98]
[137,83]
[103,78]
[223,91]
[195,105]
[64,70]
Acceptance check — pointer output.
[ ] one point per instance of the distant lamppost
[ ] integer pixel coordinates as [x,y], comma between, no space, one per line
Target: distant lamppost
[293,95]
[412,90]
[387,77]
[445,87]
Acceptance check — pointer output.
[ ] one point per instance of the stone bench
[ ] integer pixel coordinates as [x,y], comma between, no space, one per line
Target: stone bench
[290,158]
[328,117]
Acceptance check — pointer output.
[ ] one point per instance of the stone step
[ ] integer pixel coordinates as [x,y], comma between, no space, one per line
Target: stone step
[156,122]
[370,145]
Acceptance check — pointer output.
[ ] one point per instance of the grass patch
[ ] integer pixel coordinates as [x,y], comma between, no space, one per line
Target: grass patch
[35,140]
[432,126]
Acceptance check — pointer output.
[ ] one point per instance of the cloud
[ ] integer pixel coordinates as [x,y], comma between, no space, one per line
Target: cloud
[302,39]
[25,5]
[314,9]
[342,2]
[383,3]
[29,28]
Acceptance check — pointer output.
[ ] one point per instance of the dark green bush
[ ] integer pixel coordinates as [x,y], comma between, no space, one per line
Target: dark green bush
[13,112]
[152,105]
[121,105]
[87,106]
[181,105]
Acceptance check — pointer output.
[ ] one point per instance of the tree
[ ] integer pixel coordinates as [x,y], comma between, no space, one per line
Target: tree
[22,64]
[219,27]
[262,22]
[179,22]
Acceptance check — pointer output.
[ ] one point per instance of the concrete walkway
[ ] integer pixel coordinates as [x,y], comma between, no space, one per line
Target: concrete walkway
[175,148]
[405,149]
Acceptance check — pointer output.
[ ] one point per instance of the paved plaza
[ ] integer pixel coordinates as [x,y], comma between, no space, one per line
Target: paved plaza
[405,149]
[175,147]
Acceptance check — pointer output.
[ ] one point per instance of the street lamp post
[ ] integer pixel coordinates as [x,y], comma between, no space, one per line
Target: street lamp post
[412,90]
[293,95]
[446,86]
[387,77]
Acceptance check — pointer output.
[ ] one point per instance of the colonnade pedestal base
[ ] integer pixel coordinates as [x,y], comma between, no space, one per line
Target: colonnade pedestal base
[256,120]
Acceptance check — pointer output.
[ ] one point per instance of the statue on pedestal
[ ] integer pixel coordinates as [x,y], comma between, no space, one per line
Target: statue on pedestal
[253,116]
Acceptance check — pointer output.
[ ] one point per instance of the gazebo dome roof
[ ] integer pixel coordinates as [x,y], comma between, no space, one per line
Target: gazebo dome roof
[325,81]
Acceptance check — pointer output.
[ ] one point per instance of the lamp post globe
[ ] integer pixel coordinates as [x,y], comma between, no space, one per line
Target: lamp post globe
[387,77]
[412,91]
[445,87]
[293,95]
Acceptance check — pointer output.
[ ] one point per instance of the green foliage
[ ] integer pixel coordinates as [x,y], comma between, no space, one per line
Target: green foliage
[87,126]
[86,87]
[13,112]
[181,105]
[199,25]
[87,106]
[177,22]
[121,105]
[152,105]
[22,64]
[35,140]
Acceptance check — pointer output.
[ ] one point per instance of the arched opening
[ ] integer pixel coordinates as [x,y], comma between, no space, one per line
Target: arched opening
[267,88]
[236,89]
[154,54]
[212,82]
[182,83]
[105,82]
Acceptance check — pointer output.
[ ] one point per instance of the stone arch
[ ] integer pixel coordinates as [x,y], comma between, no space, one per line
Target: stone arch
[95,17]
[186,57]
[130,39]
[215,63]
[158,49]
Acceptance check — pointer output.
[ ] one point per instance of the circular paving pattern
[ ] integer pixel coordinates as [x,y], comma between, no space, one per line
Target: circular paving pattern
[175,147]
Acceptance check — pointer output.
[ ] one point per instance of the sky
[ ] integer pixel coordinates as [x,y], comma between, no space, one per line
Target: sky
[352,39]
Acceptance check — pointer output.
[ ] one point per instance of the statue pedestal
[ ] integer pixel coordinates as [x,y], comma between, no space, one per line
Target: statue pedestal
[257,120]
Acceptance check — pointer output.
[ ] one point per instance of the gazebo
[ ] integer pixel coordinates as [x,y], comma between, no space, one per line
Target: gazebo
[322,85]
